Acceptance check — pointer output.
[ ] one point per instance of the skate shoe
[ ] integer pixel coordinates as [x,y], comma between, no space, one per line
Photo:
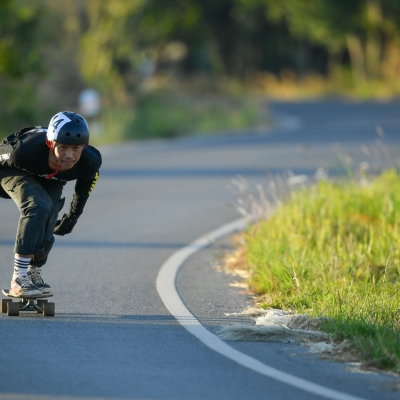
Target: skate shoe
[22,286]
[37,280]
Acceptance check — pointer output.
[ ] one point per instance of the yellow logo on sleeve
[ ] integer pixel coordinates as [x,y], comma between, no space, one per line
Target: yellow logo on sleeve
[96,178]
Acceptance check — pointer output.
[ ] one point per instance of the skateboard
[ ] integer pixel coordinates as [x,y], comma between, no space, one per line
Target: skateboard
[29,303]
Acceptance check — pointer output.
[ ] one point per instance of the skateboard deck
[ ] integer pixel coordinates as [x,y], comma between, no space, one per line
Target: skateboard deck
[6,292]
[36,303]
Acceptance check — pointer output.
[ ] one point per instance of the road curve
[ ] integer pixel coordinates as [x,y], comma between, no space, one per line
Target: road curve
[167,289]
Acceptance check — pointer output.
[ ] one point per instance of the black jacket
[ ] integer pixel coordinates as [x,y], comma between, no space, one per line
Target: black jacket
[27,150]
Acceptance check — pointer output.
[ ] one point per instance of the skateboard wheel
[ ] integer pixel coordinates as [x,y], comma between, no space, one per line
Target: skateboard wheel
[4,304]
[48,309]
[13,309]
[40,303]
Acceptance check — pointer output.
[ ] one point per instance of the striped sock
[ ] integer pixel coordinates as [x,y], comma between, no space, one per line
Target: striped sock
[20,266]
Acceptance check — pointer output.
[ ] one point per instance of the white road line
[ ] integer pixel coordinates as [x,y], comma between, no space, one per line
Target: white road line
[167,290]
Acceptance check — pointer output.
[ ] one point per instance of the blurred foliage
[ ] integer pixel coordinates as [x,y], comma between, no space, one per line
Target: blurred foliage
[128,50]
[20,67]
[367,29]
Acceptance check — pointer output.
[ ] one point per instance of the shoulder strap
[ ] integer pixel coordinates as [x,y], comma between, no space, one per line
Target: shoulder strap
[12,138]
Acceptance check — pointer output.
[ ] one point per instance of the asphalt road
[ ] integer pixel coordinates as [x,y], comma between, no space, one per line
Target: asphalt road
[112,337]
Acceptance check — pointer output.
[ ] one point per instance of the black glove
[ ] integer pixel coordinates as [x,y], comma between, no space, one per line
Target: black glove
[65,225]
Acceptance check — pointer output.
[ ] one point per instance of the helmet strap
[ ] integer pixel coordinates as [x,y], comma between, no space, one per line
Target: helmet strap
[50,145]
[49,176]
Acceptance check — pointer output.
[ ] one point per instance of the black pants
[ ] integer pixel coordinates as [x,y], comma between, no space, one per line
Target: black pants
[39,203]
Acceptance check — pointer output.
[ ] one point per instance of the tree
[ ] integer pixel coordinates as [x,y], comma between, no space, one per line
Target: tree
[20,61]
[367,29]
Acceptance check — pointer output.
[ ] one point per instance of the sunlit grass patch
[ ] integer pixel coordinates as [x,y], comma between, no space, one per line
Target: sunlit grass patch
[332,250]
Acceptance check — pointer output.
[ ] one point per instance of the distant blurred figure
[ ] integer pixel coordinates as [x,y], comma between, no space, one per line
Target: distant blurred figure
[89,103]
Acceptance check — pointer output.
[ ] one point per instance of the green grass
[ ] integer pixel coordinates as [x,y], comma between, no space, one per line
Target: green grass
[332,250]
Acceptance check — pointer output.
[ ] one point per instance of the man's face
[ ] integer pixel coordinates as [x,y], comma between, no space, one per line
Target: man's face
[67,154]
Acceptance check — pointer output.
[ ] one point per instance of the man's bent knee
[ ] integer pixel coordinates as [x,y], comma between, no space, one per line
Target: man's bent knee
[37,208]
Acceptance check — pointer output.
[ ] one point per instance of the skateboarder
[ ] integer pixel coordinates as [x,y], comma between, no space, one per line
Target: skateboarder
[35,165]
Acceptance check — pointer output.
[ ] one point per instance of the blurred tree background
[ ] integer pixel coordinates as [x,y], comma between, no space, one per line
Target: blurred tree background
[164,68]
